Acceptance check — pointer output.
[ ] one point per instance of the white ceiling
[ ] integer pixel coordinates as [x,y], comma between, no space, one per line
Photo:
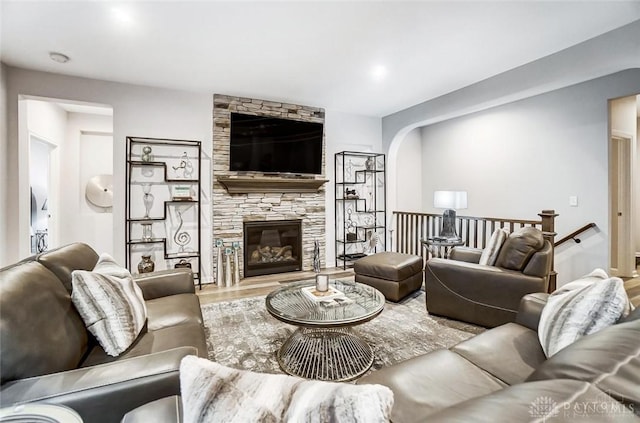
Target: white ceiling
[319,53]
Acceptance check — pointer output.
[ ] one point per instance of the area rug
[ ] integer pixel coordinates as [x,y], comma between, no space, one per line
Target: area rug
[243,335]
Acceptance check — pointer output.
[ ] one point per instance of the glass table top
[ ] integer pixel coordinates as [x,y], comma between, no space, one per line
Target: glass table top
[291,305]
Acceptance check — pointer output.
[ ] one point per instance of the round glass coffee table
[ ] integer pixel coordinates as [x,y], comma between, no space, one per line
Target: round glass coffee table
[324,347]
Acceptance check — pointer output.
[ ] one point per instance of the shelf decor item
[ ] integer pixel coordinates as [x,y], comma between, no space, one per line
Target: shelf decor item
[163,181]
[316,256]
[219,268]
[236,262]
[228,271]
[182,264]
[147,234]
[146,265]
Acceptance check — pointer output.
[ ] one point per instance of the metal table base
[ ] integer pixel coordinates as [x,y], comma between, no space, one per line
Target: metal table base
[334,354]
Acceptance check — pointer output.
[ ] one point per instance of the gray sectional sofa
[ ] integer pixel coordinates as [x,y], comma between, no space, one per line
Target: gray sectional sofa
[47,354]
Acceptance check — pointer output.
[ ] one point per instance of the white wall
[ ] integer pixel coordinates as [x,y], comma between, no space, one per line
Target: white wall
[137,111]
[517,159]
[345,132]
[48,122]
[88,151]
[4,165]
[155,112]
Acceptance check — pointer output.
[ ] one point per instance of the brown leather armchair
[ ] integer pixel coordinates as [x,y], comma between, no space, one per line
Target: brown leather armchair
[462,289]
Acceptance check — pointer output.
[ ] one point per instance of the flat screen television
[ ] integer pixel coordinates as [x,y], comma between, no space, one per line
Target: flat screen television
[274,145]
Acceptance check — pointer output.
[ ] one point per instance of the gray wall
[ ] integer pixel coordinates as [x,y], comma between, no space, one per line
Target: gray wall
[517,159]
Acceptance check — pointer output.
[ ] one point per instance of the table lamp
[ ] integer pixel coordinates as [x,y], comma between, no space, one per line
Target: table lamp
[449,200]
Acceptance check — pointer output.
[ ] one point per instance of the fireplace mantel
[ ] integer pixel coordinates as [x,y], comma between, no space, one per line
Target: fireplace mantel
[260,184]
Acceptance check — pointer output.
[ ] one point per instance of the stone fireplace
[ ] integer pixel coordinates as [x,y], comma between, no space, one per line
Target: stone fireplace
[253,202]
[272,247]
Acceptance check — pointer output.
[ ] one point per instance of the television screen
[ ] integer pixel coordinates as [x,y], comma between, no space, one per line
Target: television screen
[267,144]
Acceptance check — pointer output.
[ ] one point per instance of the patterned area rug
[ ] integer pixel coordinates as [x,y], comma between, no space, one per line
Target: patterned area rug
[243,335]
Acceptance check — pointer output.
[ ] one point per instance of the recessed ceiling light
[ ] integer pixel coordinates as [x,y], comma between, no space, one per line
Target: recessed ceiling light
[58,57]
[121,15]
[378,72]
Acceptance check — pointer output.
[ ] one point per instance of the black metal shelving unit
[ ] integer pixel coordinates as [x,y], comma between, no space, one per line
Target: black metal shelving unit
[360,209]
[166,169]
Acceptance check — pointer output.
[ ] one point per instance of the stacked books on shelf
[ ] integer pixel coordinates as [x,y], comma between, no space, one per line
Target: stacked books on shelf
[331,297]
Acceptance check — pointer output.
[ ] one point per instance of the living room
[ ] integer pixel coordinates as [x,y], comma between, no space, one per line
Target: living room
[530,136]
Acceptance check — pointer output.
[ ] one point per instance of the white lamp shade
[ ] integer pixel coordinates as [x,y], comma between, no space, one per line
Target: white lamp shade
[450,199]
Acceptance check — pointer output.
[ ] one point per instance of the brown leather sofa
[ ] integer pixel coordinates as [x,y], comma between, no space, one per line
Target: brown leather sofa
[462,289]
[502,375]
[47,355]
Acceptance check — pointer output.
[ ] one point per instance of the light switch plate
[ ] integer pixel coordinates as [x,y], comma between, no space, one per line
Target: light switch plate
[573,201]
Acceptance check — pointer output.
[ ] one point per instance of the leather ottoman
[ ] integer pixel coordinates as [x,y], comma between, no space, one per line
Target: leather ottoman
[396,275]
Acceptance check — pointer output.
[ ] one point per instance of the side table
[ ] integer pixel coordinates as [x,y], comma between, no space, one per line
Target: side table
[440,247]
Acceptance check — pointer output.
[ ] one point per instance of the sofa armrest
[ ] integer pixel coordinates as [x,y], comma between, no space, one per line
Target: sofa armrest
[166,282]
[106,392]
[467,254]
[530,310]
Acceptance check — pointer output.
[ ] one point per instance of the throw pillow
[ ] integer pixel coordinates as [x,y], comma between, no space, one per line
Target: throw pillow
[491,251]
[580,308]
[110,303]
[212,392]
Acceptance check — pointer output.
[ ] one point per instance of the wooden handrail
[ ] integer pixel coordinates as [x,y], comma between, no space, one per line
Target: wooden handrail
[575,233]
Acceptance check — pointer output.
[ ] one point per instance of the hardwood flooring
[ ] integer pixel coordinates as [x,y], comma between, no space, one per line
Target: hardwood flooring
[260,285]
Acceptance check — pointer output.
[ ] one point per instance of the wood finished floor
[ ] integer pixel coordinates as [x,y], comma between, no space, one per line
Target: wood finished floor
[261,285]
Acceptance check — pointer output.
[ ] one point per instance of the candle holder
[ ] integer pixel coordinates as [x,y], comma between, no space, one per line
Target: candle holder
[322,282]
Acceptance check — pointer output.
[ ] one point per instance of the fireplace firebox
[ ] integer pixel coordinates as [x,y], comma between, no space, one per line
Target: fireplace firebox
[272,247]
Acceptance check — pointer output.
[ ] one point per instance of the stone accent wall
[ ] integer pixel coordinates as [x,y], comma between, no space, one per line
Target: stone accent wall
[230,211]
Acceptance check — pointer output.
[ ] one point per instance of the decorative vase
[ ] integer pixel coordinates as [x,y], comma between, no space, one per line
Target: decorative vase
[146,154]
[227,267]
[147,199]
[370,163]
[146,265]
[147,233]
[236,263]
[316,256]
[219,270]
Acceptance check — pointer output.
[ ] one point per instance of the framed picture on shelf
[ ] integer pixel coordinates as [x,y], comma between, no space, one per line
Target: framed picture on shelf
[181,193]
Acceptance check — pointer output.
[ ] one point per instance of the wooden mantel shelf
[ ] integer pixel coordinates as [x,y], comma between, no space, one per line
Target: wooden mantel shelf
[259,184]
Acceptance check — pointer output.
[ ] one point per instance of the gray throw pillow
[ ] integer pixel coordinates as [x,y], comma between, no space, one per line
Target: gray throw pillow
[580,308]
[492,250]
[110,304]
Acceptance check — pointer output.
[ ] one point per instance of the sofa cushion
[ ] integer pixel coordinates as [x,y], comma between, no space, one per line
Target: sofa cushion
[110,303]
[580,308]
[490,253]
[509,352]
[519,247]
[40,330]
[64,260]
[546,401]
[212,392]
[609,359]
[173,310]
[429,383]
[185,335]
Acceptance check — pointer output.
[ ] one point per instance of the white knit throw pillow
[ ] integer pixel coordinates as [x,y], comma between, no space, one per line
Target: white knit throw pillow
[491,251]
[580,308]
[211,392]
[110,304]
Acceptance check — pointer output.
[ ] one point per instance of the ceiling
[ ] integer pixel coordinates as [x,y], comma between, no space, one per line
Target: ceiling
[364,57]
